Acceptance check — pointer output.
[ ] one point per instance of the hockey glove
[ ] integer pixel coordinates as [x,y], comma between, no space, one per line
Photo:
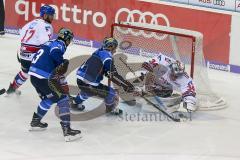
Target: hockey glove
[147,66]
[57,81]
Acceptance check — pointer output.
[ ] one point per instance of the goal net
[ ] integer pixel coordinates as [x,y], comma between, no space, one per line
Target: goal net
[140,42]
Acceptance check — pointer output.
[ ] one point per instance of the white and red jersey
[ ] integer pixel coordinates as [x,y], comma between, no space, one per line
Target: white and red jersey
[162,71]
[32,36]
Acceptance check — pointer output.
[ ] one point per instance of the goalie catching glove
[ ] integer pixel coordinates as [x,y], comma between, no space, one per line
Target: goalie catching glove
[57,81]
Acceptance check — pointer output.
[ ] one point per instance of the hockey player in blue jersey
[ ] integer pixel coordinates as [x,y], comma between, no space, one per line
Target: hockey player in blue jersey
[47,74]
[90,75]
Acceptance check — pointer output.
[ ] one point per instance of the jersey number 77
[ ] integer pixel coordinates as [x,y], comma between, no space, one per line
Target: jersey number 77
[28,35]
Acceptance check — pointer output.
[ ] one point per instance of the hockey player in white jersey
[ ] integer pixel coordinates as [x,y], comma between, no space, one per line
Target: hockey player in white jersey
[32,36]
[170,75]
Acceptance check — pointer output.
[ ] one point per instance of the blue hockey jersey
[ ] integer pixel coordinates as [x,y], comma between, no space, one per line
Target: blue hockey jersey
[98,65]
[47,59]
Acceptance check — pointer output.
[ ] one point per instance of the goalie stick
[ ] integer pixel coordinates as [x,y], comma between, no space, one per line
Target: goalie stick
[142,95]
[164,112]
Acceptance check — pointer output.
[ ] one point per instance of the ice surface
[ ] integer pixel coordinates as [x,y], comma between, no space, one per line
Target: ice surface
[212,135]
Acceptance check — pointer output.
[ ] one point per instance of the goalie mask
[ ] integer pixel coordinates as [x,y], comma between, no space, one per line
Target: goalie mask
[177,68]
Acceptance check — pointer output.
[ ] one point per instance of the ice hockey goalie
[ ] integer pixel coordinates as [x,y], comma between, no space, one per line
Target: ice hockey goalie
[164,75]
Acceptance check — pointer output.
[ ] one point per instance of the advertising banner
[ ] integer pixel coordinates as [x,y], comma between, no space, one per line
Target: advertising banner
[238,6]
[180,1]
[229,5]
[91,20]
[220,4]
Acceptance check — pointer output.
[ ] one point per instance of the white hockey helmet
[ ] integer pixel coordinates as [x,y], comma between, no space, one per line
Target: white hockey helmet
[177,68]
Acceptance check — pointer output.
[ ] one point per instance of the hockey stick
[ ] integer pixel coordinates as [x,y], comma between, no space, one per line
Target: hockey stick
[154,105]
[164,112]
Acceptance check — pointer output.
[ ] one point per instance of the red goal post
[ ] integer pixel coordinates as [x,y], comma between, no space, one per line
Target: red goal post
[139,42]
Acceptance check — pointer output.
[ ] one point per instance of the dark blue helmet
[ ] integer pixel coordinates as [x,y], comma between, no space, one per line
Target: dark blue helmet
[109,42]
[46,9]
[65,34]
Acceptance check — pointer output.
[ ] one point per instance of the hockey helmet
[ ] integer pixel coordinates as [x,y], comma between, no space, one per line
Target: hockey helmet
[65,34]
[47,9]
[109,43]
[177,68]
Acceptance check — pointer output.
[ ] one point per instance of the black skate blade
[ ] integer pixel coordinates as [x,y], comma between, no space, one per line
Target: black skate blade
[17,92]
[2,91]
[72,138]
[82,109]
[36,129]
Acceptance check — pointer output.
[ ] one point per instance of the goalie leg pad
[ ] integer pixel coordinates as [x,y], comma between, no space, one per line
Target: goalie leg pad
[189,103]
[170,104]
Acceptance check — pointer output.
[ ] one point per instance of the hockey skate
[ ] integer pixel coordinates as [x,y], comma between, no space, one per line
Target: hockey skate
[2,91]
[2,33]
[115,111]
[12,90]
[70,134]
[77,107]
[36,124]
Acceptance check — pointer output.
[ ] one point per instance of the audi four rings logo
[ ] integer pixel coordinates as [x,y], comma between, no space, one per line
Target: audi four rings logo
[138,17]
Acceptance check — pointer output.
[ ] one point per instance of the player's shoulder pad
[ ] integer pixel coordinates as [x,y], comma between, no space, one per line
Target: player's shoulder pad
[57,46]
[44,26]
[105,55]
